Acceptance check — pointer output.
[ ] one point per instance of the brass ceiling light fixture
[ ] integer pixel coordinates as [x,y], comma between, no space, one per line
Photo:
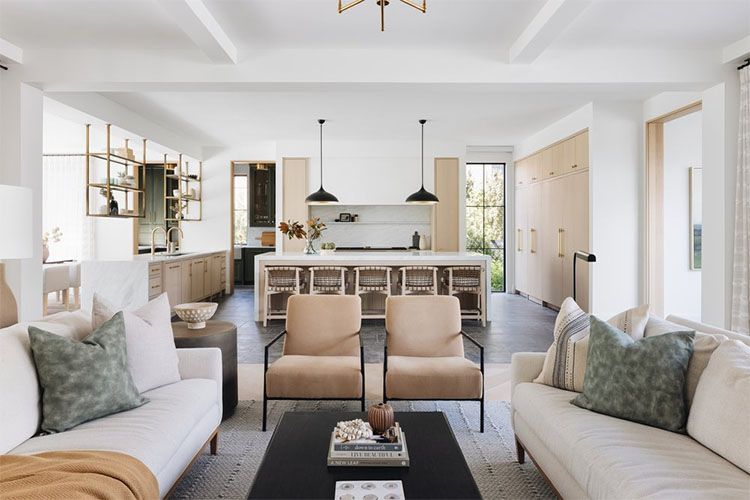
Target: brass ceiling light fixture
[383,4]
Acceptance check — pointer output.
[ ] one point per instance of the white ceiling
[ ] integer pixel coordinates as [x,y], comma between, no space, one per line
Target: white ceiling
[472,115]
[309,24]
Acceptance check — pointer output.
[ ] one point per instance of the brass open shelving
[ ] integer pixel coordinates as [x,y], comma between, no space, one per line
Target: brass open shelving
[188,199]
[129,195]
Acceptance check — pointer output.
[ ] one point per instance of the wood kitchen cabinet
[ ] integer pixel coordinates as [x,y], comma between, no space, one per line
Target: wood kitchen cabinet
[173,282]
[552,222]
[198,279]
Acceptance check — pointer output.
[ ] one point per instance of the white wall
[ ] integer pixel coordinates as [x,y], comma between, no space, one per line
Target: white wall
[21,165]
[682,150]
[616,202]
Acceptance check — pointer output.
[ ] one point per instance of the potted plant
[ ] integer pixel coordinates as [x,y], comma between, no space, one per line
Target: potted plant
[293,229]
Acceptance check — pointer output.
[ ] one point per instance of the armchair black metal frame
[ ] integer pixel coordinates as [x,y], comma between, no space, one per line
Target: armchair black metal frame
[481,369]
[265,371]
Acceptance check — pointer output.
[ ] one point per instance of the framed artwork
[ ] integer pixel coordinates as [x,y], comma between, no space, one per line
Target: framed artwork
[696,218]
[345,217]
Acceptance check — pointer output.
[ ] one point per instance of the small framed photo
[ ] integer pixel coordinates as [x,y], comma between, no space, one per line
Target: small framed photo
[345,217]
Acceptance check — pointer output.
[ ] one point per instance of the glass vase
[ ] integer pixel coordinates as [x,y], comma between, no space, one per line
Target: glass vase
[310,248]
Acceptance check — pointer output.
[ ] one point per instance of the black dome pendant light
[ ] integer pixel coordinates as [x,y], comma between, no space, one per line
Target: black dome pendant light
[422,196]
[321,196]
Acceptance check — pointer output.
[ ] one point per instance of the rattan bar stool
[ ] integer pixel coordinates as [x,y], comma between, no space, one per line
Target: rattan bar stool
[328,280]
[374,280]
[280,279]
[418,280]
[465,279]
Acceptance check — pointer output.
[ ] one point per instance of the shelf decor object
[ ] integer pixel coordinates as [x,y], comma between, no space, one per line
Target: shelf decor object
[16,243]
[183,204]
[321,196]
[122,193]
[422,196]
[383,4]
[195,314]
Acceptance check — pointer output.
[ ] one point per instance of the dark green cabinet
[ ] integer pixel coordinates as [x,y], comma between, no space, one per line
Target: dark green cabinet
[262,207]
[247,265]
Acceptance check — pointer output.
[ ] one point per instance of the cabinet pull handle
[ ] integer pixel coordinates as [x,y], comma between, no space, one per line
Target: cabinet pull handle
[560,243]
[532,241]
[533,178]
[574,166]
[174,267]
[191,269]
[551,173]
[518,240]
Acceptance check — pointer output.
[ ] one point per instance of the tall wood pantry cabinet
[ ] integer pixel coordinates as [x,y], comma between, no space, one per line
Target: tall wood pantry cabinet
[552,221]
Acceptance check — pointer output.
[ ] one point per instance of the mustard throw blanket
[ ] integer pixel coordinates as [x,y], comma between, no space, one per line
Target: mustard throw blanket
[82,475]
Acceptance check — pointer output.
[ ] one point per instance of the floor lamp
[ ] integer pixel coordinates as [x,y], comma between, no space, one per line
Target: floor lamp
[584,256]
[15,242]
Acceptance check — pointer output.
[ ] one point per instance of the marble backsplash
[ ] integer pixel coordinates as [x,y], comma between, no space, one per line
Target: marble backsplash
[378,226]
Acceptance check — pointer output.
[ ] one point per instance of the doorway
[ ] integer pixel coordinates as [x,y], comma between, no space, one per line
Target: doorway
[674,212]
[485,216]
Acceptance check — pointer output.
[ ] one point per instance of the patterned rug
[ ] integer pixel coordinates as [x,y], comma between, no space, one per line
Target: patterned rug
[491,456]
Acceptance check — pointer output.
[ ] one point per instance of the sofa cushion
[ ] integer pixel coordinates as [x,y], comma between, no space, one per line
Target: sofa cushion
[640,380]
[152,355]
[83,380]
[565,363]
[294,376]
[20,407]
[615,458]
[433,378]
[151,433]
[719,416]
[704,346]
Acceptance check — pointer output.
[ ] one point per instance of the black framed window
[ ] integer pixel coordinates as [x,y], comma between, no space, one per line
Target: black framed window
[485,216]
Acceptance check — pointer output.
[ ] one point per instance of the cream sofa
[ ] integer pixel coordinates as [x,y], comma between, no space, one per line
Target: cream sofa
[165,434]
[588,455]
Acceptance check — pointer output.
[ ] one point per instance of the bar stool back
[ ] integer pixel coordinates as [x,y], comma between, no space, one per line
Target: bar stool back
[328,280]
[465,279]
[374,280]
[419,280]
[280,279]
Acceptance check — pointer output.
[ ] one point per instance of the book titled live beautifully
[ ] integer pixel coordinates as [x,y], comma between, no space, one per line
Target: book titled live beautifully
[369,453]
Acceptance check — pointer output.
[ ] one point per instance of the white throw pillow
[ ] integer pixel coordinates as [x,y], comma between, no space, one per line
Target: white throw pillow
[152,356]
[704,346]
[718,418]
[565,363]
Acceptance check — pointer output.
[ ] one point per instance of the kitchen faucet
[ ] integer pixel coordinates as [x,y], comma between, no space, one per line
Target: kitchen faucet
[179,239]
[153,232]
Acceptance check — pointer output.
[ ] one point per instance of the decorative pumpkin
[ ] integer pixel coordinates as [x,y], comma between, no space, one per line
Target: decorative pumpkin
[380,417]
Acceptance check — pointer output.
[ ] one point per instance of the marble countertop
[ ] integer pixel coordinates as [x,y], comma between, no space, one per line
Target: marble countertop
[364,256]
[162,257]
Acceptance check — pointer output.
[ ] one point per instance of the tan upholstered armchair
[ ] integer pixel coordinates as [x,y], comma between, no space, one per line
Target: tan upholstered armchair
[424,352]
[322,357]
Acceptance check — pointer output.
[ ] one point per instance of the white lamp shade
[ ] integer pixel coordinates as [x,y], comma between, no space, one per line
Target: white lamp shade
[15,223]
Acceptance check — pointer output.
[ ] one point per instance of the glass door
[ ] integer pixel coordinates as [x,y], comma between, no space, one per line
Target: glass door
[485,216]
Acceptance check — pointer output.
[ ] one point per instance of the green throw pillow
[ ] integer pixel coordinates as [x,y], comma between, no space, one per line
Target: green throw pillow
[83,380]
[639,380]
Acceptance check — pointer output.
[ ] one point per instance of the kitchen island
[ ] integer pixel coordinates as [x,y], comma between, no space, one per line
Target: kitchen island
[353,259]
[130,283]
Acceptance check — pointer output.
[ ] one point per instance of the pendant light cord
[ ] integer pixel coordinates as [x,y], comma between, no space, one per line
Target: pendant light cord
[321,152]
[422,122]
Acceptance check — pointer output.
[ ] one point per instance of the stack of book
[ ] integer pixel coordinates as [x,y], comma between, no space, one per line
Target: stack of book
[372,452]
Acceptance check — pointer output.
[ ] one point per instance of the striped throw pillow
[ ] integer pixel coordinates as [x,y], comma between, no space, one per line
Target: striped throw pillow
[565,363]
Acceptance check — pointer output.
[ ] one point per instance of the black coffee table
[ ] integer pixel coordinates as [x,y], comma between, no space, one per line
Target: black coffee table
[294,465]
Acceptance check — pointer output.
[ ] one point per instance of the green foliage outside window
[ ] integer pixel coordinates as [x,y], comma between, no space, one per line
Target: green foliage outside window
[485,216]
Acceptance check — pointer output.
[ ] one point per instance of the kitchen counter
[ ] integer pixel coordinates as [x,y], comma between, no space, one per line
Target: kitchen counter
[131,282]
[394,259]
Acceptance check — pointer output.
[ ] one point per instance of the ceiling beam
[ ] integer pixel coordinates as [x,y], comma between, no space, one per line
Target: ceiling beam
[197,22]
[551,20]
[737,51]
[10,53]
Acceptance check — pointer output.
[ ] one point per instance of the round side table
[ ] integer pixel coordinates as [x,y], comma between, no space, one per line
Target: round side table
[223,335]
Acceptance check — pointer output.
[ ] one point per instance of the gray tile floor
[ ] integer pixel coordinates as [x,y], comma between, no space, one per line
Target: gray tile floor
[517,325]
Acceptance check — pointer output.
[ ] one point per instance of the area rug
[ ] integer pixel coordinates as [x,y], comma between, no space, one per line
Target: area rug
[491,456]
